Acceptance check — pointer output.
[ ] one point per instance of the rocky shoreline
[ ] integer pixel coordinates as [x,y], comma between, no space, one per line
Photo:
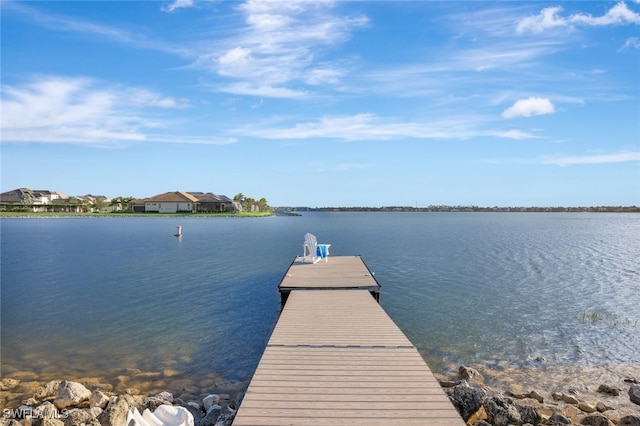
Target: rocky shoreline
[86,402]
[481,405]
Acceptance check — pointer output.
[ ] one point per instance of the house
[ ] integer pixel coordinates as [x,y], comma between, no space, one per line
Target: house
[212,203]
[171,202]
[37,200]
[25,199]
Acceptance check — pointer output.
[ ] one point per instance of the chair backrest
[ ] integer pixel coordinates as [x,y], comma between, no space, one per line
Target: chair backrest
[310,245]
[310,239]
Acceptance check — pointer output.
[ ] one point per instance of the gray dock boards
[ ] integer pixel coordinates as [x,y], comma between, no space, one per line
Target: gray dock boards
[335,357]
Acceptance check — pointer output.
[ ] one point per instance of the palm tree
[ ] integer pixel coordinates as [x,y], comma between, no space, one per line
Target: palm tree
[122,203]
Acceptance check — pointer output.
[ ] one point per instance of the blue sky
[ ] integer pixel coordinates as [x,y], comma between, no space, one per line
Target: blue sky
[325,103]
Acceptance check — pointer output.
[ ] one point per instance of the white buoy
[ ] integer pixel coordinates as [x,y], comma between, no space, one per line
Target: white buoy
[179,231]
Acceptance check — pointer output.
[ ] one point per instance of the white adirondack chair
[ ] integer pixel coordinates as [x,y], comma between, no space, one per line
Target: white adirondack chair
[312,249]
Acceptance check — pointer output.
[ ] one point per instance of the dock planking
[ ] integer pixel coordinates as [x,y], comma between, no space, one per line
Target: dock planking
[336,357]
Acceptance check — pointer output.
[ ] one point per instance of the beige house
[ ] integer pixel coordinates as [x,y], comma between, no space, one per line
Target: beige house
[171,202]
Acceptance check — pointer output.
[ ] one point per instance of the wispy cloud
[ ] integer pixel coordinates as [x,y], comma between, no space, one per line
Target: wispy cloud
[279,47]
[630,43]
[621,157]
[550,17]
[177,4]
[64,23]
[54,109]
[368,126]
[528,107]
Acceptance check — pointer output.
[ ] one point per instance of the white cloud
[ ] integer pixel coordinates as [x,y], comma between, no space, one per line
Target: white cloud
[280,46]
[363,126]
[79,110]
[619,14]
[177,4]
[594,159]
[550,18]
[547,18]
[236,62]
[515,134]
[260,90]
[528,107]
[368,126]
[630,43]
[319,76]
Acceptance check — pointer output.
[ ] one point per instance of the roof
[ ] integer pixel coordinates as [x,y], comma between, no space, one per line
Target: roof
[16,195]
[210,197]
[172,197]
[26,195]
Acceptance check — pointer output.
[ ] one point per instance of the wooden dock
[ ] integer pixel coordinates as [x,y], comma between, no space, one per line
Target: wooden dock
[335,357]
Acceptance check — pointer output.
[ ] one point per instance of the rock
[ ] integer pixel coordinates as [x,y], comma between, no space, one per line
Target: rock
[195,411]
[629,421]
[536,395]
[516,395]
[449,383]
[634,394]
[94,411]
[21,412]
[557,396]
[602,407]
[596,419]
[77,416]
[613,416]
[570,399]
[481,423]
[48,390]
[52,422]
[46,410]
[467,373]
[164,396]
[210,400]
[212,416]
[481,414]
[70,394]
[501,411]
[558,419]
[8,383]
[226,419]
[159,399]
[586,407]
[214,407]
[529,414]
[30,402]
[98,399]
[132,391]
[466,399]
[116,412]
[609,390]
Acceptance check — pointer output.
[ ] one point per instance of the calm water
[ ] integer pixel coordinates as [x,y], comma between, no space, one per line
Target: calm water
[99,296]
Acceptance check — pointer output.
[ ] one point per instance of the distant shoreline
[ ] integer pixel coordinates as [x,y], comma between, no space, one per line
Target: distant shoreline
[294,212]
[476,209]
